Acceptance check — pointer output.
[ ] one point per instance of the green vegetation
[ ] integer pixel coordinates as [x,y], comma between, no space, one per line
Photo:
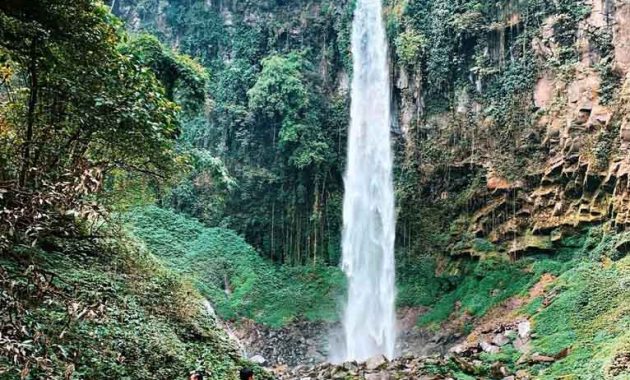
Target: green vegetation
[77,105]
[273,118]
[88,122]
[216,131]
[233,276]
[585,309]
[593,302]
[100,310]
[484,285]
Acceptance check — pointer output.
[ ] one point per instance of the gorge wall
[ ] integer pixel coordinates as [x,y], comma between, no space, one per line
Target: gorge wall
[540,119]
[509,120]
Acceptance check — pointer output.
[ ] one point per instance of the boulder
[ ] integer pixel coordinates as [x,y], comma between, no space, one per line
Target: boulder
[375,362]
[489,348]
[538,358]
[378,376]
[258,359]
[524,329]
[500,340]
[521,345]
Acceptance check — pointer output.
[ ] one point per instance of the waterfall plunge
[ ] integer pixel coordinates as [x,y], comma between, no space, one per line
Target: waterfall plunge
[368,208]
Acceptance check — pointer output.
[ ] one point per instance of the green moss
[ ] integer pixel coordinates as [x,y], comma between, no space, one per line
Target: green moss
[486,284]
[483,245]
[586,315]
[532,307]
[417,282]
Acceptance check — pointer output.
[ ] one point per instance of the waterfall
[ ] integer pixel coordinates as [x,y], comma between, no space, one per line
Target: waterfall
[368,207]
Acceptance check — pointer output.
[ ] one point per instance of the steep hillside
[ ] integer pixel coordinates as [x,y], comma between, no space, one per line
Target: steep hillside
[282,155]
[526,143]
[217,130]
[76,309]
[239,282]
[509,120]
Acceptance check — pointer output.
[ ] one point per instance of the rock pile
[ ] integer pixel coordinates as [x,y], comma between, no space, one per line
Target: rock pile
[378,368]
[297,343]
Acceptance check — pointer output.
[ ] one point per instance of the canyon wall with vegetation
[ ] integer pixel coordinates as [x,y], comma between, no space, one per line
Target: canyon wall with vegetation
[172,170]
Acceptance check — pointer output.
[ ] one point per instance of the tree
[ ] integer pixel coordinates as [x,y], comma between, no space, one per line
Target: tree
[76,107]
[283,99]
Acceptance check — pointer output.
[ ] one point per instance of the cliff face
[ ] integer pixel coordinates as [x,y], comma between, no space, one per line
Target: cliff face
[540,119]
[510,118]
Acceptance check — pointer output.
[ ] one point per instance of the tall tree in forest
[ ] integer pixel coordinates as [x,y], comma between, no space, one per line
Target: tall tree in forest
[75,105]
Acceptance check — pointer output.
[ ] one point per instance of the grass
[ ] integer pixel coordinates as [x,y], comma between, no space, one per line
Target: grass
[238,281]
[591,315]
[483,285]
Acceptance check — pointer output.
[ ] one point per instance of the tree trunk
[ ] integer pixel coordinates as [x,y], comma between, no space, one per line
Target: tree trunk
[30,118]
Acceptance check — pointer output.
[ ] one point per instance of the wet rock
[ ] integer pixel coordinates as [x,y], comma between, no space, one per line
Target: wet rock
[350,366]
[524,329]
[258,359]
[375,362]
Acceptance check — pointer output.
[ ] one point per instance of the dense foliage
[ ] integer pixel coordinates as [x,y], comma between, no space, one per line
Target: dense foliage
[275,124]
[582,311]
[227,169]
[88,121]
[239,282]
[103,310]
[75,107]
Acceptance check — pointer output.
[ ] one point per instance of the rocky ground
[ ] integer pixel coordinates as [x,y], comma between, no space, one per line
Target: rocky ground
[378,368]
[299,351]
[405,367]
[298,343]
[464,358]
[307,343]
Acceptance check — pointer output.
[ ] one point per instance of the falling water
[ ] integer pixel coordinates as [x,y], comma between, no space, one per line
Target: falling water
[368,208]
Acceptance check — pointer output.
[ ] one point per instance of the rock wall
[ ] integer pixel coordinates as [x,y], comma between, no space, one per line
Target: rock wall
[568,163]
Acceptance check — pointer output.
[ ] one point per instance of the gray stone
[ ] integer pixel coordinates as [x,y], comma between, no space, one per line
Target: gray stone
[258,359]
[378,376]
[489,348]
[375,362]
[521,345]
[524,329]
[500,340]
[458,349]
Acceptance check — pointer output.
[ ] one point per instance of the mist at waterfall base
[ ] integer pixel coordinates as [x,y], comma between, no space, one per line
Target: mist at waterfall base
[368,208]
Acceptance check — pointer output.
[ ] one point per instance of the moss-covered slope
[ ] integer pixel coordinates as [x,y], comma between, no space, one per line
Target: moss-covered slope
[556,316]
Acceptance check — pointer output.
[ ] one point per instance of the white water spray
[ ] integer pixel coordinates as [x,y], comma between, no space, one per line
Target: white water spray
[368,207]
